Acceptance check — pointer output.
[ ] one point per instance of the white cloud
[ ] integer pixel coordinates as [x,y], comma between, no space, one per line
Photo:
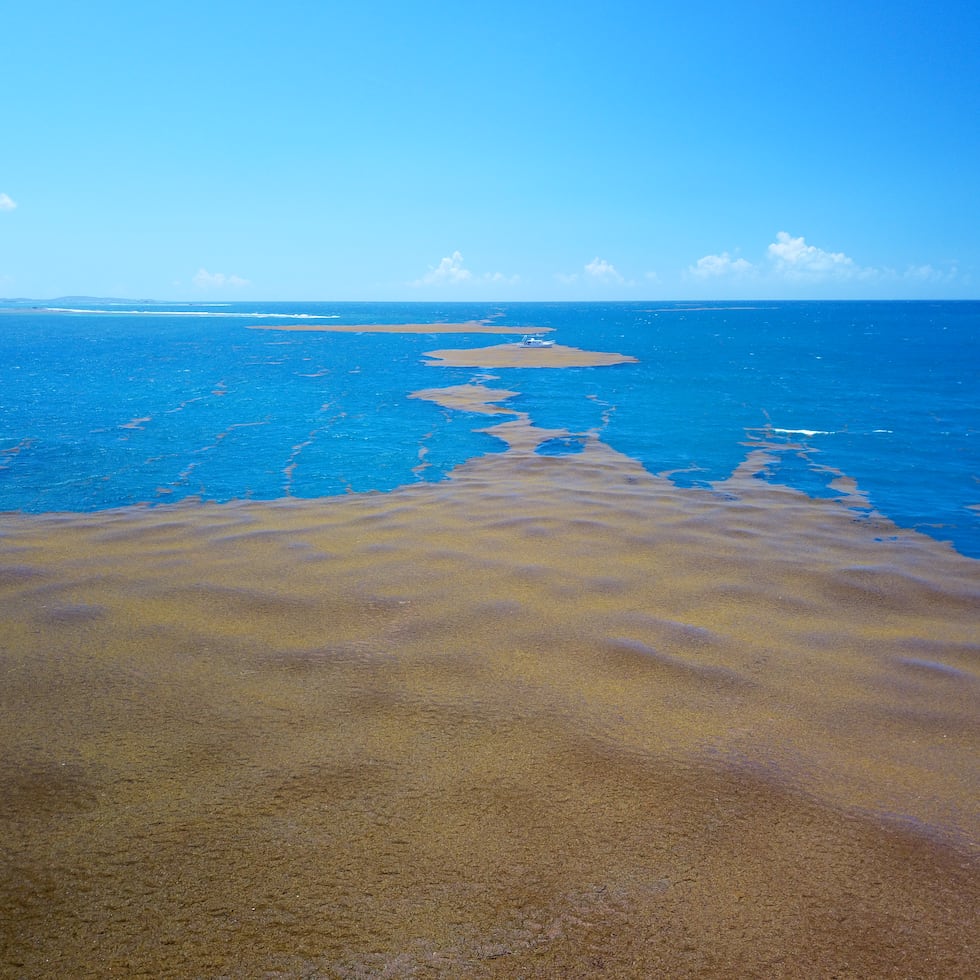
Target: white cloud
[598,272]
[711,266]
[217,280]
[603,271]
[7,203]
[794,259]
[449,270]
[929,273]
[791,262]
[500,277]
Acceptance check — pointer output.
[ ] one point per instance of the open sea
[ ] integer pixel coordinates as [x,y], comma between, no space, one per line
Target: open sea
[110,405]
[322,658]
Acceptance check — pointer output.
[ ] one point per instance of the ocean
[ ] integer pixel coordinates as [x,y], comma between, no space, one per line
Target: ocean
[106,406]
[354,640]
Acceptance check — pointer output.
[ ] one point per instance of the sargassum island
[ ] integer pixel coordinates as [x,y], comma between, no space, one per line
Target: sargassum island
[498,355]
[551,717]
[516,356]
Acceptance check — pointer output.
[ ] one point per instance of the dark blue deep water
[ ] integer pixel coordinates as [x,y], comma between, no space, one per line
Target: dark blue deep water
[157,403]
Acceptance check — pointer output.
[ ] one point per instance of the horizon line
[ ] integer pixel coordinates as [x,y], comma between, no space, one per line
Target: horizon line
[200,301]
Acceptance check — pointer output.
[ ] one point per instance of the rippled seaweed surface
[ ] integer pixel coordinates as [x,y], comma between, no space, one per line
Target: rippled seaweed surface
[553,717]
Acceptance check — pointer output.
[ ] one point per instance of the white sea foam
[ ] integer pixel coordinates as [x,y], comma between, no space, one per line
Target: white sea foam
[825,432]
[803,432]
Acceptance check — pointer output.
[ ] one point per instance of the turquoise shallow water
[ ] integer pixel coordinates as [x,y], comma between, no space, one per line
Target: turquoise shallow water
[113,405]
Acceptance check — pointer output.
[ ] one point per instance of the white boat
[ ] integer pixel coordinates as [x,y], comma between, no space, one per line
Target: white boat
[534,340]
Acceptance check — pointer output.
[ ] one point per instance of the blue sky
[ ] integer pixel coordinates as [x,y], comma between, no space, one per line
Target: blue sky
[490,151]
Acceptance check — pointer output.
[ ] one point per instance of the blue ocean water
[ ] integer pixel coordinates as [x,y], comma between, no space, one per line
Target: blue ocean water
[113,405]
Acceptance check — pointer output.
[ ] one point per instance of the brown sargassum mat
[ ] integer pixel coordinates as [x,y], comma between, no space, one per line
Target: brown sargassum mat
[551,718]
